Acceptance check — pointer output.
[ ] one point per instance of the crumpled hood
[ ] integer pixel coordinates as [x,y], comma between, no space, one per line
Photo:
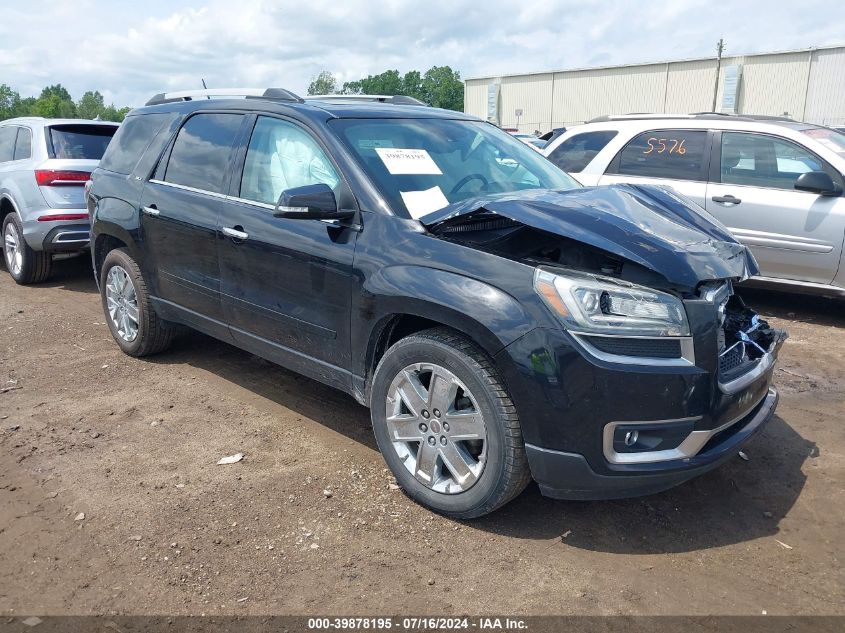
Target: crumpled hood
[646,224]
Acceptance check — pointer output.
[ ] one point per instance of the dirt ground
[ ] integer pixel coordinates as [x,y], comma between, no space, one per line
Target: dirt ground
[133,445]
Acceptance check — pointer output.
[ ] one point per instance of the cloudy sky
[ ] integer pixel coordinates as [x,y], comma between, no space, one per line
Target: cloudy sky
[131,50]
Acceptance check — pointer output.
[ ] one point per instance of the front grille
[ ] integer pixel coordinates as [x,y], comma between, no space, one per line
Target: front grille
[637,347]
[731,359]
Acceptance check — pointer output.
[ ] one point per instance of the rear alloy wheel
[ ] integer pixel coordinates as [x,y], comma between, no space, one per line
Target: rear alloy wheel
[446,426]
[122,303]
[130,315]
[25,265]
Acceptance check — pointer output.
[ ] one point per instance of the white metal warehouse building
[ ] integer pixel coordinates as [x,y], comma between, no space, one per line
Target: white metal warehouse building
[807,85]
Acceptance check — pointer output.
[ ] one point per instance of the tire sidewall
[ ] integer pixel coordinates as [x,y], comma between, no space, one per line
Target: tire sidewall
[421,350]
[119,257]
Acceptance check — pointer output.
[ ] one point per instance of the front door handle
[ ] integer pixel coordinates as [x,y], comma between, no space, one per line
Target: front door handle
[235,233]
[729,199]
[151,210]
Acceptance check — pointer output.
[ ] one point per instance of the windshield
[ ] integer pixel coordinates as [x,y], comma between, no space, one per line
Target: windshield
[423,165]
[831,139]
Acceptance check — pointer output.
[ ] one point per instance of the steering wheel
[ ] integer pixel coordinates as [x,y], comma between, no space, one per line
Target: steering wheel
[466,179]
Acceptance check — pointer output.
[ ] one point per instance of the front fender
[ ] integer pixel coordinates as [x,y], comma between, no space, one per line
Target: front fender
[486,314]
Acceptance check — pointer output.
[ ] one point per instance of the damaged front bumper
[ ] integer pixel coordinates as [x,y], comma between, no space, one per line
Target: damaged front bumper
[599,429]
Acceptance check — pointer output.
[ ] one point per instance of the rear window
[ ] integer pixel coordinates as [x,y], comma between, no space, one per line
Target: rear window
[79,141]
[23,146]
[202,151]
[576,152]
[131,141]
[674,154]
[7,143]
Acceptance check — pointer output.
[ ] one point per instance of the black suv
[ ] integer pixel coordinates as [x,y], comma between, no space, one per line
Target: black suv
[501,322]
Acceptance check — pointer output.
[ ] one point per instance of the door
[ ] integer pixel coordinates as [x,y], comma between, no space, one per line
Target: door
[286,283]
[793,234]
[179,212]
[673,158]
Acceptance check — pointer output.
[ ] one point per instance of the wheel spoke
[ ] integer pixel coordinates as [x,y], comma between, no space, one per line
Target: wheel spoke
[426,465]
[459,464]
[465,425]
[132,312]
[403,428]
[441,391]
[413,393]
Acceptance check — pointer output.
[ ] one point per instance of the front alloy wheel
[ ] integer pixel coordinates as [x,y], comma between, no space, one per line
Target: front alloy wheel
[446,426]
[436,428]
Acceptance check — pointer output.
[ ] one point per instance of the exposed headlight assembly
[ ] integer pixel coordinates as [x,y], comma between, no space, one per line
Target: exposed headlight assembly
[592,304]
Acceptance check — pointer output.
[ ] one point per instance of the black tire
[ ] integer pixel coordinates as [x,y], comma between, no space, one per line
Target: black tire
[506,472]
[36,266]
[154,335]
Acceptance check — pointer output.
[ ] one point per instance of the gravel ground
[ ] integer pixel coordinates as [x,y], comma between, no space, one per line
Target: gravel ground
[111,499]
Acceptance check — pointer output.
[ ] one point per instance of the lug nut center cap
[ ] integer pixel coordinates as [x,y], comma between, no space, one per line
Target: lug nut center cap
[435,426]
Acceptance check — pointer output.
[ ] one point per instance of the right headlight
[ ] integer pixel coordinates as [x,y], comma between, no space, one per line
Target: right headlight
[593,304]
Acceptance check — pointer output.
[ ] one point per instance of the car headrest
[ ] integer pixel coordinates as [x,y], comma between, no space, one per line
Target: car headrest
[730,157]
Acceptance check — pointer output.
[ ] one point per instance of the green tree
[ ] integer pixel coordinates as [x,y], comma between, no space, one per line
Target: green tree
[323,84]
[412,84]
[9,102]
[55,102]
[111,113]
[442,88]
[387,83]
[52,107]
[24,107]
[91,105]
[58,90]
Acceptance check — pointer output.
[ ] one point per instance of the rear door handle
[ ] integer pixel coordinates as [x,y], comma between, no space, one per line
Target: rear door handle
[234,233]
[726,199]
[151,210]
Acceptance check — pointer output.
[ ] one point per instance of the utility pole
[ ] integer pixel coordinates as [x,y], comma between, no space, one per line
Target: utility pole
[720,46]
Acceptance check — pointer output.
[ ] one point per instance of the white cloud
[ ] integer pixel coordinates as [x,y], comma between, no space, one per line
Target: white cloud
[130,51]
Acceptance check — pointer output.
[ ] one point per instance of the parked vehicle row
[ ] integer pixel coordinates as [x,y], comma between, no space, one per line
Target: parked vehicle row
[777,184]
[44,164]
[501,322]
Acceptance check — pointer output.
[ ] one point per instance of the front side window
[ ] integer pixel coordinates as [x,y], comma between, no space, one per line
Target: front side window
[576,152]
[23,146]
[7,143]
[202,152]
[672,154]
[764,161]
[423,165]
[282,156]
[79,141]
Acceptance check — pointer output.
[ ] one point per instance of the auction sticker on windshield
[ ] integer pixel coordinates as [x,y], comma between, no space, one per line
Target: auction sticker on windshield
[407,161]
[420,203]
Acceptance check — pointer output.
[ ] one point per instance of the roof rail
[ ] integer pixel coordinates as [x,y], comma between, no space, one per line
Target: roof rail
[644,116]
[276,94]
[392,99]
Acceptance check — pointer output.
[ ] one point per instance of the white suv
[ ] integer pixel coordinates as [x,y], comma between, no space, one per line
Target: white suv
[776,183]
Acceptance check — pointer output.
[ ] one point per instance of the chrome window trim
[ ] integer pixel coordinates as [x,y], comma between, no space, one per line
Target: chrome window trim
[222,196]
[690,447]
[687,358]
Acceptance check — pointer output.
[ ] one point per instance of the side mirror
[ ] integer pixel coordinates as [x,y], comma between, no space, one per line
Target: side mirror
[818,182]
[310,202]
